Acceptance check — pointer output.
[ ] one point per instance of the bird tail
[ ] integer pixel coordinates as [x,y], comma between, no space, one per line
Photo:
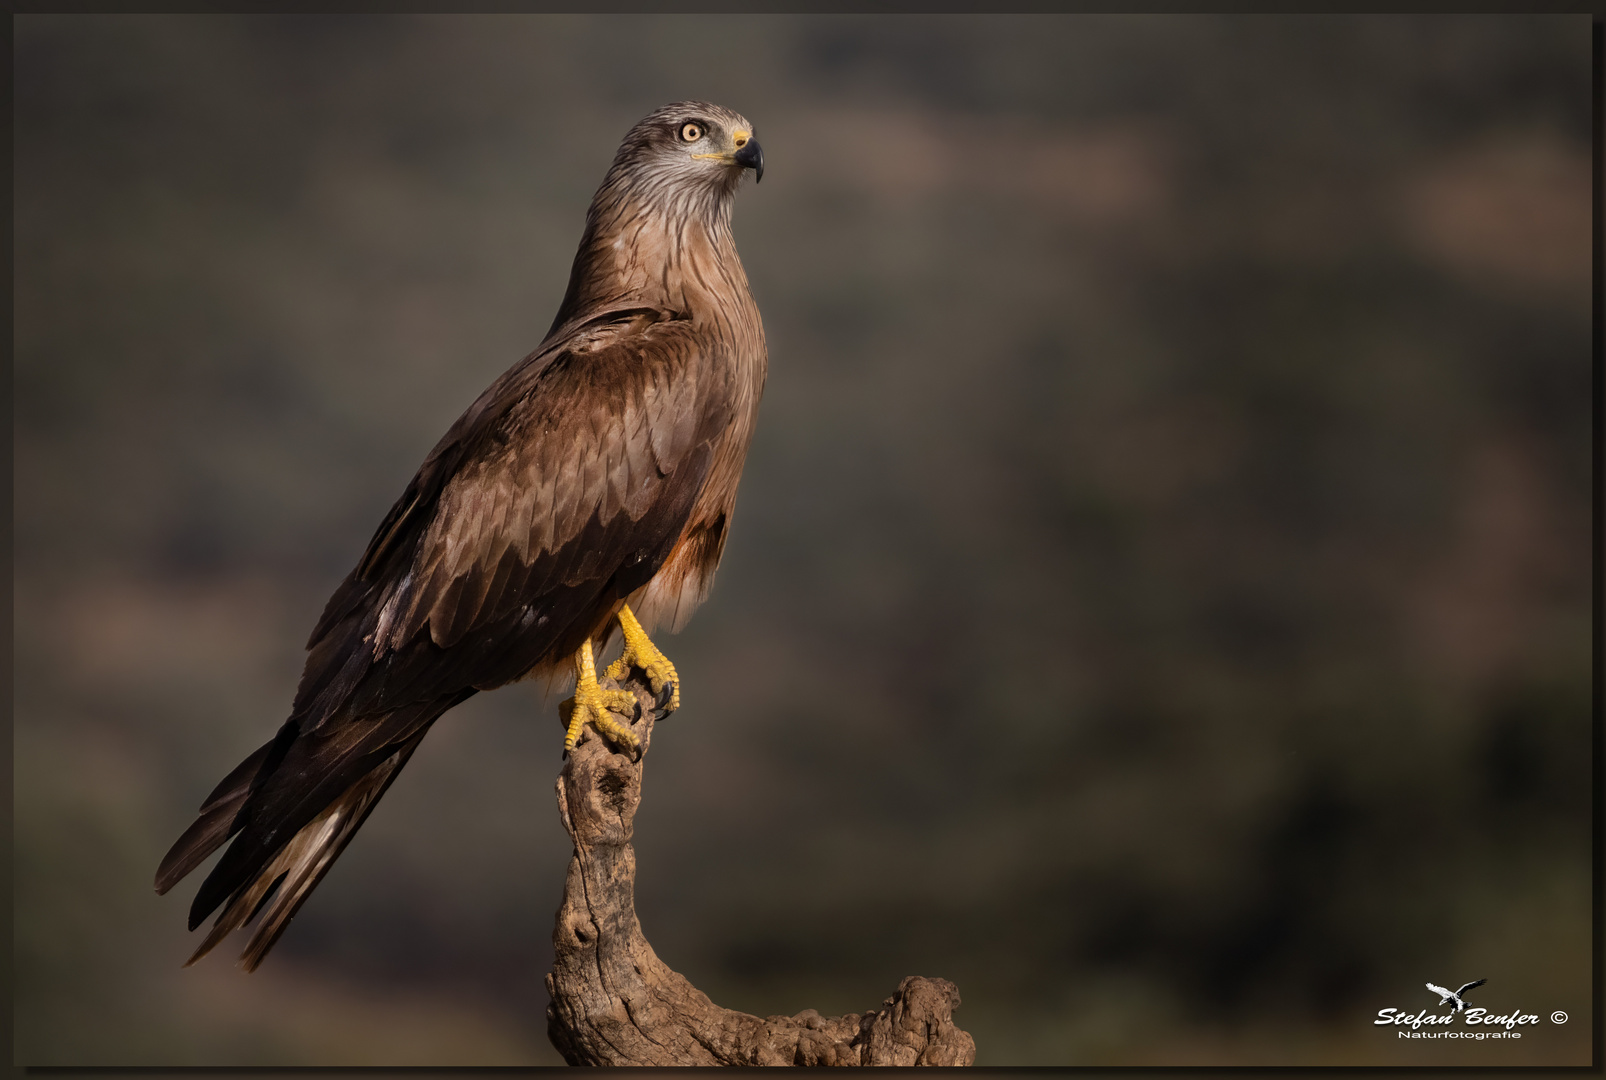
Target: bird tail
[278,890]
[220,816]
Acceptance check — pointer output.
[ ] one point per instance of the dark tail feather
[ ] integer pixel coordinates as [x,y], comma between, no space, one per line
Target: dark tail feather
[281,887]
[220,812]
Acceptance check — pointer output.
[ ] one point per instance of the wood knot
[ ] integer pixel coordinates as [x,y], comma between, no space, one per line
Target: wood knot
[614,786]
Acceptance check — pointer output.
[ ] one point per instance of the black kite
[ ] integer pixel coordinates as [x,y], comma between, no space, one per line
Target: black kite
[593,482]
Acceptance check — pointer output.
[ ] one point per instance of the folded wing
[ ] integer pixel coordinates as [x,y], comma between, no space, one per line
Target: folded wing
[559,492]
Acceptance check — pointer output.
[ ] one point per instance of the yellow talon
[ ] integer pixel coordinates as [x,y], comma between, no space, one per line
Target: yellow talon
[592,703]
[640,651]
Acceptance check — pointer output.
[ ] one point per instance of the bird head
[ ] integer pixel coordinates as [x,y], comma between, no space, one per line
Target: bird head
[690,145]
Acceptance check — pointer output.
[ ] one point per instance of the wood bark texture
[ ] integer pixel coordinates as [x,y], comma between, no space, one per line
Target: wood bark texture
[615,1003]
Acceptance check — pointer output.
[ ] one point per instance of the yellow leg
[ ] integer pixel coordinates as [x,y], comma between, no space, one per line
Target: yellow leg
[640,651]
[591,703]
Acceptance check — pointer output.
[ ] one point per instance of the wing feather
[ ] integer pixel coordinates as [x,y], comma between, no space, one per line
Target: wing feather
[603,431]
[541,523]
[219,814]
[615,472]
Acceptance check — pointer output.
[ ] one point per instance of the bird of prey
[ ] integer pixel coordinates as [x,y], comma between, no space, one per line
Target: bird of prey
[1447,996]
[591,485]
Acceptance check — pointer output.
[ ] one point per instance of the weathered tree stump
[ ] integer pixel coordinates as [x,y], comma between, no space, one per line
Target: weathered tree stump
[615,1003]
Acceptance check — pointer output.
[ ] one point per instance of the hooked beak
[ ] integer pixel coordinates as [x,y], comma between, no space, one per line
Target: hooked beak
[751,156]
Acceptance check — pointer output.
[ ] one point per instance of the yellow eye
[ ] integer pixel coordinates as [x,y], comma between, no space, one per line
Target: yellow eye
[691,132]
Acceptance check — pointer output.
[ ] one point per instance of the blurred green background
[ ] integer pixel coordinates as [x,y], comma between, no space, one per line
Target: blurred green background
[1158,599]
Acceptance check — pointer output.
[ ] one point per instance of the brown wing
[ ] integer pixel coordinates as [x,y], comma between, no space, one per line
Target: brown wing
[564,482]
[559,492]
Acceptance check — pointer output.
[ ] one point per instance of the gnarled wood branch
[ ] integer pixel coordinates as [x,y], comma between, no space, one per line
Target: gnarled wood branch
[615,1003]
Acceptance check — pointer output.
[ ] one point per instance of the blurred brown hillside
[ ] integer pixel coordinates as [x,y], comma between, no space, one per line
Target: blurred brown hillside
[1159,595]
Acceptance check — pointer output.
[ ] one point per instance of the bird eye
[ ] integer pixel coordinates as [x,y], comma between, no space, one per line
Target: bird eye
[691,132]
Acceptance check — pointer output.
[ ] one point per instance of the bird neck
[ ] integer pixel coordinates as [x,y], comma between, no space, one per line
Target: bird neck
[646,248]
